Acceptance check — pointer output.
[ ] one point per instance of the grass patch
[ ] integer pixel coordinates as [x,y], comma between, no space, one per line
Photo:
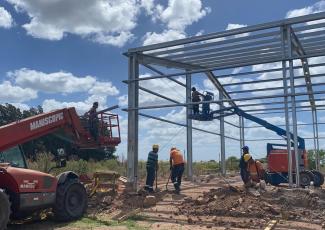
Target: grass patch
[89,223]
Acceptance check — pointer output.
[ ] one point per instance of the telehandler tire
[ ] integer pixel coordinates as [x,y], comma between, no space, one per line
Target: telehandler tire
[4,210]
[71,200]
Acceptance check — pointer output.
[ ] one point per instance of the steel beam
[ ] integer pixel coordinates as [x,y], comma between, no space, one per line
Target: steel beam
[189,128]
[248,29]
[293,108]
[162,74]
[285,90]
[133,122]
[158,95]
[297,47]
[224,100]
[222,137]
[184,125]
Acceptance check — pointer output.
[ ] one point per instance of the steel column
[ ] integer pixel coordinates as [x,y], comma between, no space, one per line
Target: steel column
[314,135]
[241,145]
[316,138]
[287,122]
[189,128]
[243,130]
[222,136]
[133,102]
[293,107]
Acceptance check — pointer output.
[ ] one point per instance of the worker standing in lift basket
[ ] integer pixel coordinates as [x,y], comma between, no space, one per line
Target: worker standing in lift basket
[176,162]
[93,121]
[196,98]
[255,170]
[243,165]
[152,167]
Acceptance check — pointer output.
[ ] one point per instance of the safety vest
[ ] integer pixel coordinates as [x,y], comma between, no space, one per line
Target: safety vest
[256,171]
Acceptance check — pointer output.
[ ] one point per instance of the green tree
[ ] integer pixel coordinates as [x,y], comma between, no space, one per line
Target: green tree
[232,163]
[311,156]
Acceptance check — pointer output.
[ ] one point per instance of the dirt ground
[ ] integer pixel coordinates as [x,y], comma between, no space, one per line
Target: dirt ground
[208,203]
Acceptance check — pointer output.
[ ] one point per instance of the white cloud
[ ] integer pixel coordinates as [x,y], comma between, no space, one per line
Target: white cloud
[60,82]
[231,26]
[81,106]
[10,93]
[166,35]
[178,15]
[162,86]
[317,7]
[103,21]
[148,5]
[6,20]
[21,106]
[181,13]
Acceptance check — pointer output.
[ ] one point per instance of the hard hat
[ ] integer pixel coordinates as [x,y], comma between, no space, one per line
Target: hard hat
[193,89]
[245,148]
[95,103]
[247,157]
[155,146]
[173,148]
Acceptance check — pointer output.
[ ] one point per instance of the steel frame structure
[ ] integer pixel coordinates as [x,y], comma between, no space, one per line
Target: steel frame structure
[286,45]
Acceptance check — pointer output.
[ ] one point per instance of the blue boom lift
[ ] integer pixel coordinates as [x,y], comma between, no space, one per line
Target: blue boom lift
[277,157]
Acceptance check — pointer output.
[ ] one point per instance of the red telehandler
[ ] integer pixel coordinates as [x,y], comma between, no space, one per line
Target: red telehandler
[24,191]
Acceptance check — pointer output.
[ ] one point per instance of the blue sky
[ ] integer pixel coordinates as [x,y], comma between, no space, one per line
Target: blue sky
[57,54]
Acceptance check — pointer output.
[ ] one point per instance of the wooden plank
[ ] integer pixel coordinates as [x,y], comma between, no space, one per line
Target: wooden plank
[129,214]
[271,225]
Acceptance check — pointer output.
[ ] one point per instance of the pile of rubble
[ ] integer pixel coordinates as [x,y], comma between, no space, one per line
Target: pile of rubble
[273,203]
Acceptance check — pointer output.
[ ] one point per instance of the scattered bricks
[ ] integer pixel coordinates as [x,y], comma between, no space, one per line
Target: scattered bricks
[107,200]
[240,200]
[323,225]
[202,200]
[149,201]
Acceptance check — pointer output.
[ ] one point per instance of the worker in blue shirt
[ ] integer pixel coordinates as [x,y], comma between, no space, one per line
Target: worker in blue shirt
[152,167]
[243,165]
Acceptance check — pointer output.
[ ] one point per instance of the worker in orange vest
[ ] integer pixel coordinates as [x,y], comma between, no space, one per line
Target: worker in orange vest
[255,170]
[177,168]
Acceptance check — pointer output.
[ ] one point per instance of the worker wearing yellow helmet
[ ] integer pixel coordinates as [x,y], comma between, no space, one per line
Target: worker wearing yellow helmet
[255,170]
[152,167]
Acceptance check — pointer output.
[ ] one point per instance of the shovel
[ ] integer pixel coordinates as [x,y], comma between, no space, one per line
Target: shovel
[168,181]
